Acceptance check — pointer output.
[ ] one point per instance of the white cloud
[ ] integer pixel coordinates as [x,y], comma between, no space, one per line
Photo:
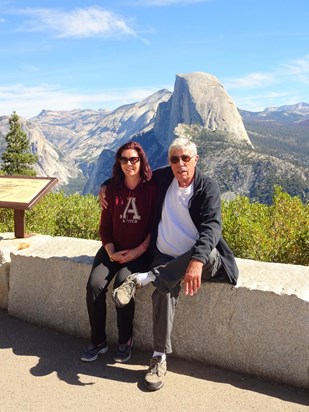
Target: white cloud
[250,81]
[166,2]
[30,101]
[299,69]
[254,91]
[299,65]
[293,71]
[79,22]
[284,85]
[258,102]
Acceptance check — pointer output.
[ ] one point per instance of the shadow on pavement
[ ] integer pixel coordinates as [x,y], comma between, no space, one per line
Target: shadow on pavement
[59,353]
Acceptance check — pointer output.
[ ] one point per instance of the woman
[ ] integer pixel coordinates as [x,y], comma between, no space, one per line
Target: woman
[125,232]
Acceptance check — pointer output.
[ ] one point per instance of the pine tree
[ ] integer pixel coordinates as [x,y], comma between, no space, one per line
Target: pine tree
[17,158]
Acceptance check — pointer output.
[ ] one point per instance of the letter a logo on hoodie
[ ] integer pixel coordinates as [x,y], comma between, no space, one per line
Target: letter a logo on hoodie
[131,209]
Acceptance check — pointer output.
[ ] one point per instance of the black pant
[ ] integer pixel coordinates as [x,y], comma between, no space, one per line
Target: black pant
[102,273]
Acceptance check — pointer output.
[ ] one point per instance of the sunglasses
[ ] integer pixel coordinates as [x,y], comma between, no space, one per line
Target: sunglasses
[132,160]
[184,158]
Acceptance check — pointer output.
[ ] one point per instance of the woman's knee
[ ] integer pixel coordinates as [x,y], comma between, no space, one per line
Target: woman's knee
[98,279]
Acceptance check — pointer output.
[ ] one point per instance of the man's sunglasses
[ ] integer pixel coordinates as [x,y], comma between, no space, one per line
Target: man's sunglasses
[132,160]
[184,158]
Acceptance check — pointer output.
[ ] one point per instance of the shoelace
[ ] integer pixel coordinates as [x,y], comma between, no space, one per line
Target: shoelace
[131,285]
[154,366]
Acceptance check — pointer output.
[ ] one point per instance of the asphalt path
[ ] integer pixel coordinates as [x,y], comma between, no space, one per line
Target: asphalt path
[40,370]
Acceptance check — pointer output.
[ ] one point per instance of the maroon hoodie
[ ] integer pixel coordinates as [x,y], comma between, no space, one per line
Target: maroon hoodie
[128,219]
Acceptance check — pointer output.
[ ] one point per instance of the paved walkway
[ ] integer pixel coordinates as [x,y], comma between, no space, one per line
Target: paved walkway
[40,371]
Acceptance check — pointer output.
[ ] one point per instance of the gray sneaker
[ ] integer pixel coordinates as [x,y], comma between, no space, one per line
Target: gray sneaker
[124,352]
[92,352]
[125,292]
[154,378]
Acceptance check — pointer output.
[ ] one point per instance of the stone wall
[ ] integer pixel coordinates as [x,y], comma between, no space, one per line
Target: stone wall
[260,327]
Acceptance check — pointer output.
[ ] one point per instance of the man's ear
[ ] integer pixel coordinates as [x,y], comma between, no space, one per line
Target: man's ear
[196,158]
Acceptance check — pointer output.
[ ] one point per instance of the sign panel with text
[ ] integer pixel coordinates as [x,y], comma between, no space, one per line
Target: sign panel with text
[22,193]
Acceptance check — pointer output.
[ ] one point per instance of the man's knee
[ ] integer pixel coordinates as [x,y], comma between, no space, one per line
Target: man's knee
[165,291]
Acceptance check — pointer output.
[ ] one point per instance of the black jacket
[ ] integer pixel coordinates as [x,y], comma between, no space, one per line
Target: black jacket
[205,212]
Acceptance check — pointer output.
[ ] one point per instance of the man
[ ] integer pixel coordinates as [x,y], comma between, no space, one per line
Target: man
[187,246]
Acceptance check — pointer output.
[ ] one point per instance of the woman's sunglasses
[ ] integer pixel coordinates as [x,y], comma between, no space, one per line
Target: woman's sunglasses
[132,160]
[184,158]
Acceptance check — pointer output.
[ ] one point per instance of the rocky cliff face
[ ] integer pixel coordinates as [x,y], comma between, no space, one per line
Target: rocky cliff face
[83,138]
[83,135]
[51,162]
[199,99]
[86,133]
[78,146]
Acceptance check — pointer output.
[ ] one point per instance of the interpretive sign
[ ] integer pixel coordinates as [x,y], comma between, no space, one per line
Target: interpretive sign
[22,193]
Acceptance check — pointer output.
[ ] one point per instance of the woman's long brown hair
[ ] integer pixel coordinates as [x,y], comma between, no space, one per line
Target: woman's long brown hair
[145,170]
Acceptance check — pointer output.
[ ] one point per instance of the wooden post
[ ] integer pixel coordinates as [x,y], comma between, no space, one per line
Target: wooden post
[19,223]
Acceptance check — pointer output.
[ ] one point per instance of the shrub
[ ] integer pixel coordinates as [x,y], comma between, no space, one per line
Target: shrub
[79,217]
[244,225]
[60,215]
[6,220]
[289,229]
[275,233]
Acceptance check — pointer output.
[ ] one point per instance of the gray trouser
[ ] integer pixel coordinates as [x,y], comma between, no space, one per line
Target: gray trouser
[169,273]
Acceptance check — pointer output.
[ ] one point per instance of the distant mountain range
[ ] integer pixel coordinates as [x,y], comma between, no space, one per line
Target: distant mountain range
[247,152]
[281,131]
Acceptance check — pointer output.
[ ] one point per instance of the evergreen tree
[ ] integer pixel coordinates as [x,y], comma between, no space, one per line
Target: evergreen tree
[17,158]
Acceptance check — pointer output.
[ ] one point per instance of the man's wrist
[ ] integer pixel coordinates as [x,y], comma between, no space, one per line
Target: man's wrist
[194,260]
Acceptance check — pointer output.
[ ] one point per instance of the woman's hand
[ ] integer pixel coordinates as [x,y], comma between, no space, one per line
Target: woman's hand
[102,197]
[118,256]
[131,254]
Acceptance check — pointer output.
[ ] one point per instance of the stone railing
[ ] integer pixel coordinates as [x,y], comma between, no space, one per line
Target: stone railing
[259,327]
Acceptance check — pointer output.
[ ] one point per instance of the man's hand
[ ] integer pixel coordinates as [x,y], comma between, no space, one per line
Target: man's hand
[102,197]
[193,275]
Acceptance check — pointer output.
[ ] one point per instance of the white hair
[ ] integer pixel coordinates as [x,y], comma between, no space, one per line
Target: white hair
[182,143]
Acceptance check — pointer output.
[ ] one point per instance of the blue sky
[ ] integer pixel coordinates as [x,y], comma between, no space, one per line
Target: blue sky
[64,55]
